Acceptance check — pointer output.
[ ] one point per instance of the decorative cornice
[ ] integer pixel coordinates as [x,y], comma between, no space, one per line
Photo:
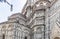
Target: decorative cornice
[38,25]
[27,5]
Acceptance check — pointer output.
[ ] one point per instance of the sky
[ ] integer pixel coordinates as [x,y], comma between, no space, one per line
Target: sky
[5,8]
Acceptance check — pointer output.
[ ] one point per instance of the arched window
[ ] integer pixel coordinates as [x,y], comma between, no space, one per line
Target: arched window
[39,29]
[25,37]
[17,21]
[3,36]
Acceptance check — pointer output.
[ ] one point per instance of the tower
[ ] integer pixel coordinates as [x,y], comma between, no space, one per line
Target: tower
[37,18]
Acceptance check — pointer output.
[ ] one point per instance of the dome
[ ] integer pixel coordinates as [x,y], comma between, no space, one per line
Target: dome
[17,15]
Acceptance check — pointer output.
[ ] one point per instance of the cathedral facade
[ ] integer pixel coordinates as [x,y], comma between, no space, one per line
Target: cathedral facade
[39,19]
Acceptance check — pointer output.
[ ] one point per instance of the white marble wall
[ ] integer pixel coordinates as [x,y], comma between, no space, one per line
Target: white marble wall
[15,28]
[54,14]
[38,25]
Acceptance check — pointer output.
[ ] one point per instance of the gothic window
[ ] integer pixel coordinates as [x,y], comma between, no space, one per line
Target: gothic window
[25,37]
[3,36]
[39,29]
[29,11]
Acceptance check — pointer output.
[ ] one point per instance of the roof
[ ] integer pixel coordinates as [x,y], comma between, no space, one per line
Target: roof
[19,14]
